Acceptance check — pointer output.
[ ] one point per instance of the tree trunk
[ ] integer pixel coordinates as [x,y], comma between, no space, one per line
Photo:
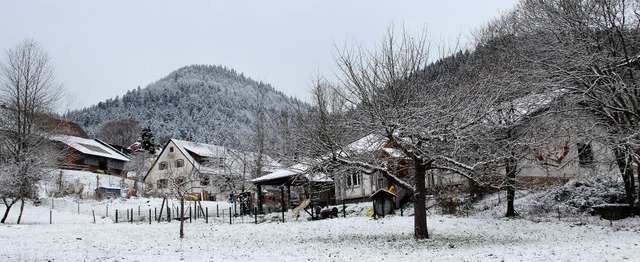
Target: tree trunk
[638,193]
[510,170]
[6,212]
[419,203]
[21,210]
[182,217]
[260,199]
[623,161]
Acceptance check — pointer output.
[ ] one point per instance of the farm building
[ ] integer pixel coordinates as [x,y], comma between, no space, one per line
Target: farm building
[90,154]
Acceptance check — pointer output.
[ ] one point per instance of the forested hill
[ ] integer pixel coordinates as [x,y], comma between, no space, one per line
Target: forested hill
[210,104]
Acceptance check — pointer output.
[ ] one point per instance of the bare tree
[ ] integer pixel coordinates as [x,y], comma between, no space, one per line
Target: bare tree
[123,132]
[140,163]
[28,93]
[429,114]
[182,184]
[590,49]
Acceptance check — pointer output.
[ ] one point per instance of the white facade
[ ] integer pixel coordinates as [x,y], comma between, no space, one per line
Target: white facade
[562,160]
[210,170]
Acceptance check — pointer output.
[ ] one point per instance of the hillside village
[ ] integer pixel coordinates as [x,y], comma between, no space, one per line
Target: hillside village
[524,146]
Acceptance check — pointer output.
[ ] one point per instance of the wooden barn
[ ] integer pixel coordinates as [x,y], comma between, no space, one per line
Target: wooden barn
[90,154]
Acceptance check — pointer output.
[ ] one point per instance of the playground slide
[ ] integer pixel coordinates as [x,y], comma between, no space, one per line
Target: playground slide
[370,212]
[302,206]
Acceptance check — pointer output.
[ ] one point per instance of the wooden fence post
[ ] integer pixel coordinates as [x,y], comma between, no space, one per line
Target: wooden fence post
[344,209]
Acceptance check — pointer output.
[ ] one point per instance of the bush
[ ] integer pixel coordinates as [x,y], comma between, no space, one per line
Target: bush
[73,189]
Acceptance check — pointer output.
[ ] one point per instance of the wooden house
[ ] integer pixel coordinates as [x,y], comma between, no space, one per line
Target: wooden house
[90,154]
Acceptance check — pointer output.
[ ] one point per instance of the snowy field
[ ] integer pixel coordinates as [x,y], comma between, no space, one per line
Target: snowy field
[74,237]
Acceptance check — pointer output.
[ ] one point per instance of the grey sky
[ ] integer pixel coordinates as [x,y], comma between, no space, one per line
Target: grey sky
[104,48]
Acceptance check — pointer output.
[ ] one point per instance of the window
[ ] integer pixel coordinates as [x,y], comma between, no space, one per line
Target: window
[162,165]
[585,155]
[170,149]
[180,163]
[354,180]
[162,183]
[180,181]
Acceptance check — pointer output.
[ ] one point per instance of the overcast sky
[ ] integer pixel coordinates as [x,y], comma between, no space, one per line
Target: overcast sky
[101,49]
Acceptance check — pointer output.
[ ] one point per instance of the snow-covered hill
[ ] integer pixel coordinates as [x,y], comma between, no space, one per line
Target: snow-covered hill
[210,104]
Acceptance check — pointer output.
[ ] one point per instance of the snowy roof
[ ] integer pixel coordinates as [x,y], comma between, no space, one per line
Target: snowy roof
[394,152]
[230,157]
[518,108]
[369,143]
[281,173]
[382,193]
[204,150]
[293,171]
[90,147]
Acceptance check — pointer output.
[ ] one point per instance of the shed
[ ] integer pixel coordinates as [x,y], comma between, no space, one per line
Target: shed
[299,175]
[383,202]
[109,191]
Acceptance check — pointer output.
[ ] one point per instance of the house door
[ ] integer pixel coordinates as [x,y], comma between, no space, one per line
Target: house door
[103,164]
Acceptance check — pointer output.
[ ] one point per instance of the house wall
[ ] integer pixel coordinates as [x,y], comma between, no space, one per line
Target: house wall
[213,190]
[570,166]
[551,165]
[156,174]
[355,193]
[77,161]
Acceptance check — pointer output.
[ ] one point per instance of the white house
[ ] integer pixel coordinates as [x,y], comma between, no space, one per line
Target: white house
[561,157]
[213,171]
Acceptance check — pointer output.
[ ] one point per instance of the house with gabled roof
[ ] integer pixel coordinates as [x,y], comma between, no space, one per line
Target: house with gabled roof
[90,154]
[215,170]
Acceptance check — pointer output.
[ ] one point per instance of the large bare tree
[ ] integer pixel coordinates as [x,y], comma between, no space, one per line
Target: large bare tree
[429,114]
[28,93]
[590,50]
[122,132]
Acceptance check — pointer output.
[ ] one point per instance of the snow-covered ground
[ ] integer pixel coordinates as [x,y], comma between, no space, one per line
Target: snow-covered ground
[74,237]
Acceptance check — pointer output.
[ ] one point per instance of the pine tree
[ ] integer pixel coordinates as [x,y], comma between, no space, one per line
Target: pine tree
[147,140]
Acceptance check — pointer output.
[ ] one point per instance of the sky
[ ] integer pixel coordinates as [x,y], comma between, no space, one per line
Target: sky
[102,49]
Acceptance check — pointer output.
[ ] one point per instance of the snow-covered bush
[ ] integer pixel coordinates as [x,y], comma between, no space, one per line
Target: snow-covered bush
[575,198]
[583,194]
[72,189]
